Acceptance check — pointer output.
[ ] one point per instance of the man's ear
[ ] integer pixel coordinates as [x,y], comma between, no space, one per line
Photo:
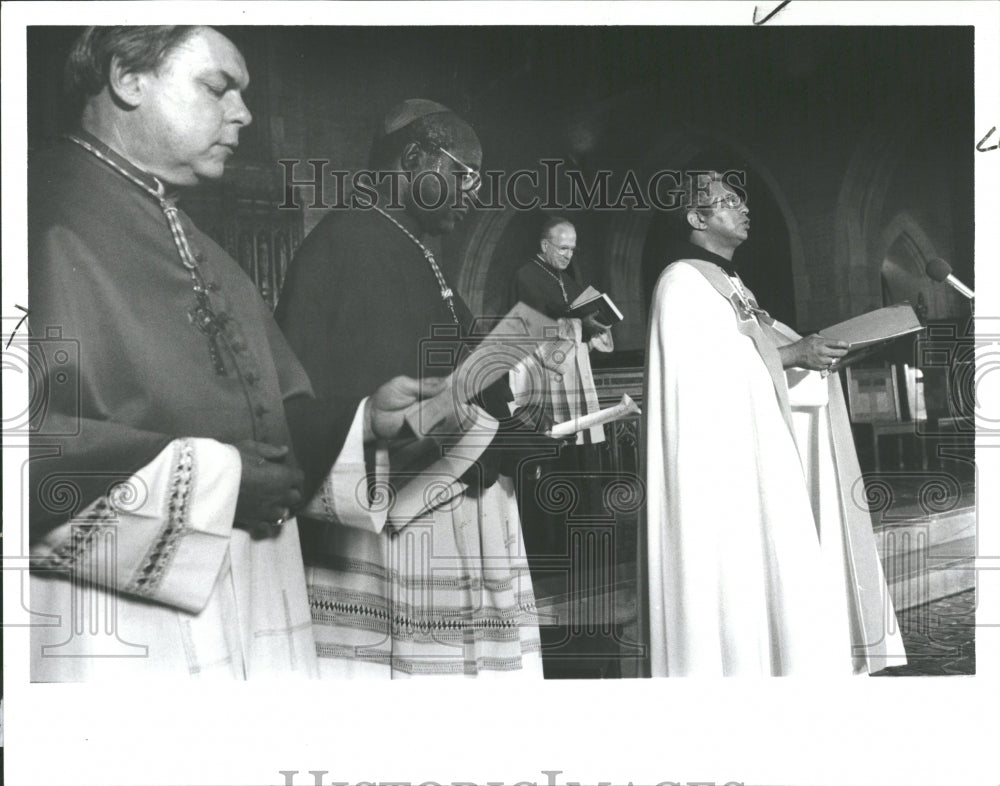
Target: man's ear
[411,157]
[128,87]
[695,220]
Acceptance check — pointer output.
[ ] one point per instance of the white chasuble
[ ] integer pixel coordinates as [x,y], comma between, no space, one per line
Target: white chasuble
[836,490]
[738,582]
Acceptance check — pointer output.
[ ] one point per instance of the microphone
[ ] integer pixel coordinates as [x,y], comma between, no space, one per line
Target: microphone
[940,270]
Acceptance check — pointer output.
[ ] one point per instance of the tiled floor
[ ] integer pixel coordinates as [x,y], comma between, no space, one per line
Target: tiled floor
[939,637]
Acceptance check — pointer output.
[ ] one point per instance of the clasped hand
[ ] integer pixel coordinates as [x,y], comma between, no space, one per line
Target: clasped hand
[270,486]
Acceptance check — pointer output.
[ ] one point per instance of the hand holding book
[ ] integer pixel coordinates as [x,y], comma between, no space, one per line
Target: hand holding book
[866,333]
[814,352]
[386,409]
[597,305]
[849,341]
[592,326]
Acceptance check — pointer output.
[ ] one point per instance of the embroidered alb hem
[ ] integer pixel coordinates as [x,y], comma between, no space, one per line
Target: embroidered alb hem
[463,581]
[430,665]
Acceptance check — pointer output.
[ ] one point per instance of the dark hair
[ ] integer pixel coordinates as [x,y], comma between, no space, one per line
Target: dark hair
[696,181]
[429,131]
[551,223]
[138,49]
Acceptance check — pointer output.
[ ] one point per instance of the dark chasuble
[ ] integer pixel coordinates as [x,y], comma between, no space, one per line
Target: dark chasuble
[450,593]
[545,289]
[135,355]
[361,305]
[551,291]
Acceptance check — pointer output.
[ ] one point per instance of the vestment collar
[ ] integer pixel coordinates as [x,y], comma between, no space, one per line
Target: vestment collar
[688,250]
[541,261]
[112,158]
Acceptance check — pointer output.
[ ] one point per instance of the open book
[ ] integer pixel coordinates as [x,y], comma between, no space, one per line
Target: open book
[591,302]
[449,434]
[866,333]
[522,333]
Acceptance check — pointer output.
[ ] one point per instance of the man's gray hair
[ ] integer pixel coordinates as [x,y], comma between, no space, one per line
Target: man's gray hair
[138,50]
[551,223]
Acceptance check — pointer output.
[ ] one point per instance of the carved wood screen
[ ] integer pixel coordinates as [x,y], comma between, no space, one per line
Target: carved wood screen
[242,215]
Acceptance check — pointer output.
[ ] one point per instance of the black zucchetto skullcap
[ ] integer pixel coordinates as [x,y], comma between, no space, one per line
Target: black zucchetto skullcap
[401,115]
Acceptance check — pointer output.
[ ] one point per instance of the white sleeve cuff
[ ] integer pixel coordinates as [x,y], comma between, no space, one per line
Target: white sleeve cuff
[344,497]
[163,534]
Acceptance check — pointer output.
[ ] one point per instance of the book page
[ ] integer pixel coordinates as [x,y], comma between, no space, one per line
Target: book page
[587,295]
[876,326]
[523,331]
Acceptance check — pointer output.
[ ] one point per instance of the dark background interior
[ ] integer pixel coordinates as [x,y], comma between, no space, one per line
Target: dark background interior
[840,130]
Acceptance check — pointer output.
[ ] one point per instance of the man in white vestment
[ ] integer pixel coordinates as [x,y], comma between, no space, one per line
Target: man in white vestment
[760,562]
[162,479]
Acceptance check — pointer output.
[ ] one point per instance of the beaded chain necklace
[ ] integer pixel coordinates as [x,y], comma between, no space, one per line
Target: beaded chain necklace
[558,278]
[446,294]
[202,315]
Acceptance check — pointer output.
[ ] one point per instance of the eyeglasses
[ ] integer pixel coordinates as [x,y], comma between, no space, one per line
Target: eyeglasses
[471,179]
[730,200]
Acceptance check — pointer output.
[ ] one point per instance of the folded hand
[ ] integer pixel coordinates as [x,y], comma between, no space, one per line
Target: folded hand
[270,486]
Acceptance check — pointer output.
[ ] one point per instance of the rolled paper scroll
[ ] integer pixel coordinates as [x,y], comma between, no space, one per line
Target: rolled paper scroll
[622,409]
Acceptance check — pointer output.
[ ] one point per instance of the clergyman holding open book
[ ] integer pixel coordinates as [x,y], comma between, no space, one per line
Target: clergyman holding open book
[445,591]
[761,561]
[564,385]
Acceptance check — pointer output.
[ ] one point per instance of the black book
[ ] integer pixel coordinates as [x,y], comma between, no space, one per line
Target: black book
[598,304]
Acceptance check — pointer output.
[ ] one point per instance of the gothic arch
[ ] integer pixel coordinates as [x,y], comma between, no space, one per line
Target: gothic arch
[857,258]
[477,255]
[628,231]
[906,237]
[903,225]
[627,234]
